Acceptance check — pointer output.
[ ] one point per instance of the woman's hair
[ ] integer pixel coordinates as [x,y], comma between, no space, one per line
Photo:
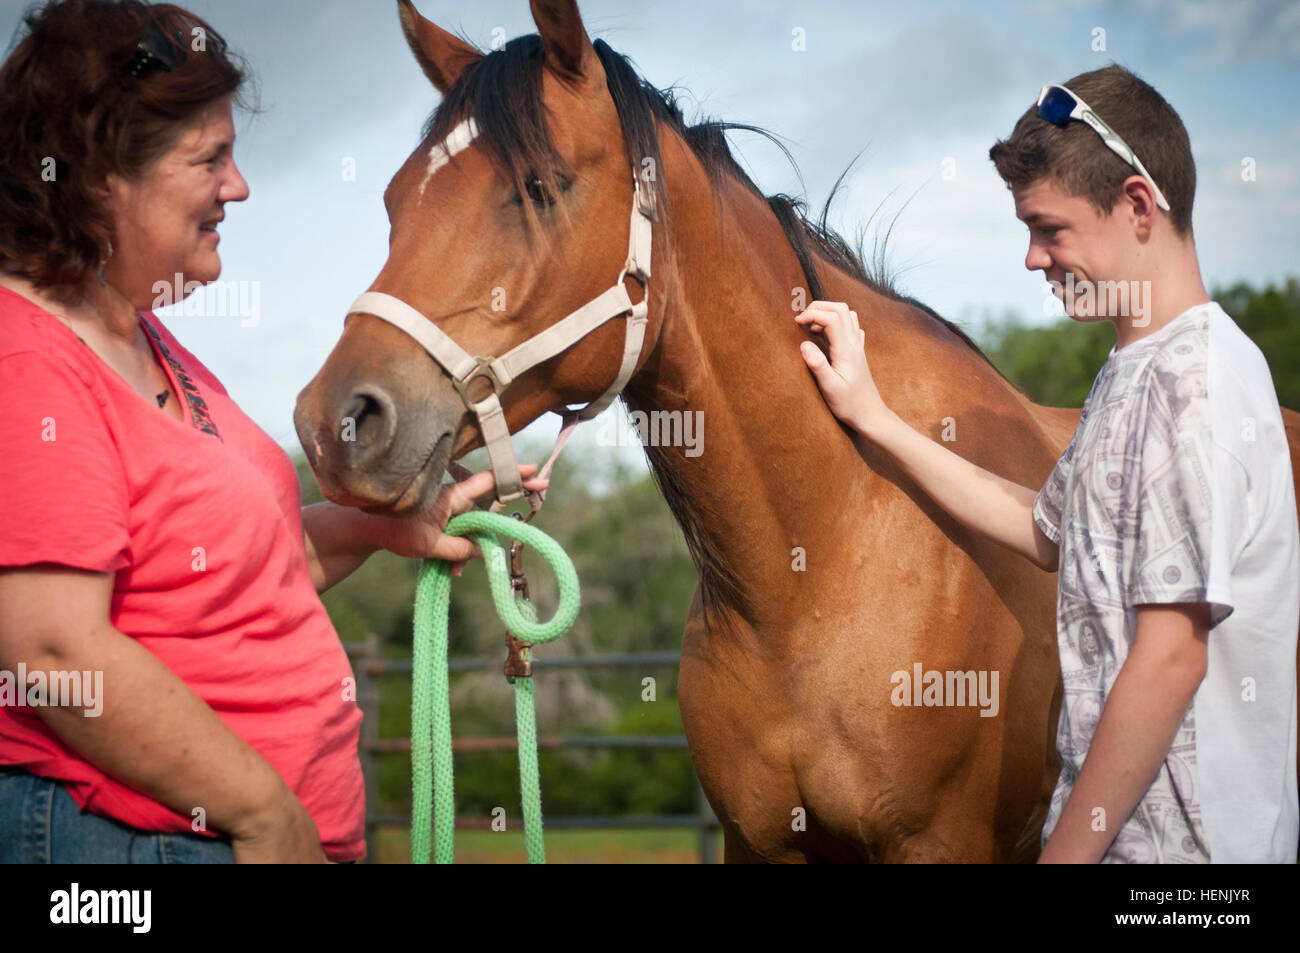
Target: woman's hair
[94,87]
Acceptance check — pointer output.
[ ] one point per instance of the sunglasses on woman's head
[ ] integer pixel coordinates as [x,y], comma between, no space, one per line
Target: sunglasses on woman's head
[156,52]
[1059,106]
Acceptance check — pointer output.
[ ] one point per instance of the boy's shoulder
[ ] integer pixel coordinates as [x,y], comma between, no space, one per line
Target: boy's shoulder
[1178,358]
[1207,377]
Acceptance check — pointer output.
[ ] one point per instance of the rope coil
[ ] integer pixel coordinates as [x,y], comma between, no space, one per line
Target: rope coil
[431,758]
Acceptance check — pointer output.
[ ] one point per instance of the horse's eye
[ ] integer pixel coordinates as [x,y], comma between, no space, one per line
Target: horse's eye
[538,192]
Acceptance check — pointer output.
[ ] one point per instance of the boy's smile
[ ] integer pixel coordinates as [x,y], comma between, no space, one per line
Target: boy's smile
[1067,236]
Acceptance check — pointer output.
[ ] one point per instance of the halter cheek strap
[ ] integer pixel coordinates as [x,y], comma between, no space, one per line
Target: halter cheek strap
[501,371]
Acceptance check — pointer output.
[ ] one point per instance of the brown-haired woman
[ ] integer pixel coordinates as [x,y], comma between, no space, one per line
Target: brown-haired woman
[171,688]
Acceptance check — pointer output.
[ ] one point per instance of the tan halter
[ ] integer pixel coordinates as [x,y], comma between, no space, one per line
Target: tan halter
[500,371]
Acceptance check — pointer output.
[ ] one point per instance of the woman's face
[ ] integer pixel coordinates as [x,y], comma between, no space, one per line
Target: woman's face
[165,224]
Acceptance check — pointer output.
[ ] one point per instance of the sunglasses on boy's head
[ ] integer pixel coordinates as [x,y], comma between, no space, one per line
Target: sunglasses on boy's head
[1058,105]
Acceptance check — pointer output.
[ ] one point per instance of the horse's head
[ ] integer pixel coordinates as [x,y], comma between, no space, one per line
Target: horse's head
[513,213]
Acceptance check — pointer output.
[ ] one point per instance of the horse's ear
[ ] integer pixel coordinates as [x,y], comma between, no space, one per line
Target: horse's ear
[568,49]
[441,55]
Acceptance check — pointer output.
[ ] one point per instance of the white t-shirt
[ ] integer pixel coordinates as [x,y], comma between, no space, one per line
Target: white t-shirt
[1177,487]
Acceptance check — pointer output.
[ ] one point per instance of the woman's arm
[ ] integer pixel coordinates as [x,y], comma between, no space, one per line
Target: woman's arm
[152,733]
[338,539]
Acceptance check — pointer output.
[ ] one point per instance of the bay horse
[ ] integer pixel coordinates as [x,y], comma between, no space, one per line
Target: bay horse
[823,571]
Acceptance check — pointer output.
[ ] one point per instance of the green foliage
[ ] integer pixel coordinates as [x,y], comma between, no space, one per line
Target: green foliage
[1056,365]
[1272,320]
[614,781]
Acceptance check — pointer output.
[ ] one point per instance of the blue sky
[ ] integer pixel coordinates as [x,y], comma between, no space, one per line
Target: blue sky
[906,84]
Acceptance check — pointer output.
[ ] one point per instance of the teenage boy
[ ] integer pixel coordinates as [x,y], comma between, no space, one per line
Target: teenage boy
[1171,515]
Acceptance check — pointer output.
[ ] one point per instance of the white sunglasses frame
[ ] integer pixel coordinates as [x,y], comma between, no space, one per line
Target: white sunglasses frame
[1085,114]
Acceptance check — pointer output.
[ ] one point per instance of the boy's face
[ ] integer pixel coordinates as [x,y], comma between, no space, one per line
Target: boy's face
[1067,236]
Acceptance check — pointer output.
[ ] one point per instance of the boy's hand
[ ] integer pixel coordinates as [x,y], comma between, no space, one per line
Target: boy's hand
[845,382]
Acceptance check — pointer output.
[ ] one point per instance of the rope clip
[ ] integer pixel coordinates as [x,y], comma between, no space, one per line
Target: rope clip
[518,662]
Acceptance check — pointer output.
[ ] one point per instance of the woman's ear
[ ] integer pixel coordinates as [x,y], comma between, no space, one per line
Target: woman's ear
[109,190]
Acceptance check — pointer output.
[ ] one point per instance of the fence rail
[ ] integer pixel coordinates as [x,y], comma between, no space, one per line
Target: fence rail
[370,666]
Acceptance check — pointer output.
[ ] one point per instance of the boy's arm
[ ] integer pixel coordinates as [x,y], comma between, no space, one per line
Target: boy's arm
[1151,694]
[978,499]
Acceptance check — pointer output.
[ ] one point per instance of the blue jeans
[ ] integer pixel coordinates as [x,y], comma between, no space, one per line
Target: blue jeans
[40,823]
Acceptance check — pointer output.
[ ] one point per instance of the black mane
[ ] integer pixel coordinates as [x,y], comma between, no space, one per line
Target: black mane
[502,92]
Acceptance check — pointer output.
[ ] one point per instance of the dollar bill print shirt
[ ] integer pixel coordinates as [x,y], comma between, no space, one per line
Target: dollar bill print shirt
[1152,503]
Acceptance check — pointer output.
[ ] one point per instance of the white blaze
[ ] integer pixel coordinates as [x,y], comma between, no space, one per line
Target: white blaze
[457,140]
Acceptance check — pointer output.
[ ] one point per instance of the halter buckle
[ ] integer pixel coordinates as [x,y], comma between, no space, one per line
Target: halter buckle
[639,193]
[482,368]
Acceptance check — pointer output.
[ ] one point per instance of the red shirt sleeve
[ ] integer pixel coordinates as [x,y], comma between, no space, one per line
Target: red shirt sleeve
[64,488]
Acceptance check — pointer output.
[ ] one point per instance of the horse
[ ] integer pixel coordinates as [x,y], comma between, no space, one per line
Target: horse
[824,573]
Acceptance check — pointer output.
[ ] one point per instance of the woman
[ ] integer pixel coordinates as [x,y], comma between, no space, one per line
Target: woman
[187,699]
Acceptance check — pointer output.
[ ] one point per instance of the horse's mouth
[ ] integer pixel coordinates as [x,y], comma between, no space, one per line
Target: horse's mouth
[424,486]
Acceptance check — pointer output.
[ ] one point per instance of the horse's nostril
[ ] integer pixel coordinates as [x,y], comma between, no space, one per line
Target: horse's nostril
[359,408]
[368,424]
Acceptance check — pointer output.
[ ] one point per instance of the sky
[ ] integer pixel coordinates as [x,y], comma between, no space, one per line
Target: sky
[917,92]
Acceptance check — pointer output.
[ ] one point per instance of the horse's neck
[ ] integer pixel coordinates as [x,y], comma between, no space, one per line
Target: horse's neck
[774,469]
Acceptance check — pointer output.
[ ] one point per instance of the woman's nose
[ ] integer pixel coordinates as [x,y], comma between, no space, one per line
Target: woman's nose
[236,187]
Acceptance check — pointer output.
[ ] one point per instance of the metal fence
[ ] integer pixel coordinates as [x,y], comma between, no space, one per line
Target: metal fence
[369,666]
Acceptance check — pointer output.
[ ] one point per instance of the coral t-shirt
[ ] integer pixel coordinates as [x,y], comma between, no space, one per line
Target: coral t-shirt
[201,524]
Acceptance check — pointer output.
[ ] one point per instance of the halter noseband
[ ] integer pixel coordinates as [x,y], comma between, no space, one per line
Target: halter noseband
[499,372]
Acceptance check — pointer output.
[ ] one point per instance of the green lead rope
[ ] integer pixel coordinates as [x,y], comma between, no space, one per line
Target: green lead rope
[431,764]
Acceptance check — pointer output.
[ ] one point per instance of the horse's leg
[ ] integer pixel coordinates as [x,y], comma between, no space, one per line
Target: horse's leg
[741,759]
[736,851]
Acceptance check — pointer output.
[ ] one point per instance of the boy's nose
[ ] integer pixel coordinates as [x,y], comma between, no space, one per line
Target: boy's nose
[1037,258]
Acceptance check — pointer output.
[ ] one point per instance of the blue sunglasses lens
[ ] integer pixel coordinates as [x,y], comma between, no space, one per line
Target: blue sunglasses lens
[1056,106]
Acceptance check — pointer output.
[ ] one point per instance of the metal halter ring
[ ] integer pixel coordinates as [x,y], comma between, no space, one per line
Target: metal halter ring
[482,368]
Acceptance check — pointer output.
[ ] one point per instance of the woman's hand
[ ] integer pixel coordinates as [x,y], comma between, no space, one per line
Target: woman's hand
[283,834]
[845,381]
[422,536]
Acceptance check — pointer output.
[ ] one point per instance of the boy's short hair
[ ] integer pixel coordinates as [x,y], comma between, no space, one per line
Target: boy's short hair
[1077,161]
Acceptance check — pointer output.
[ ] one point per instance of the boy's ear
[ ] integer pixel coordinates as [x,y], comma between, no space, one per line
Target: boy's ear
[1139,197]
